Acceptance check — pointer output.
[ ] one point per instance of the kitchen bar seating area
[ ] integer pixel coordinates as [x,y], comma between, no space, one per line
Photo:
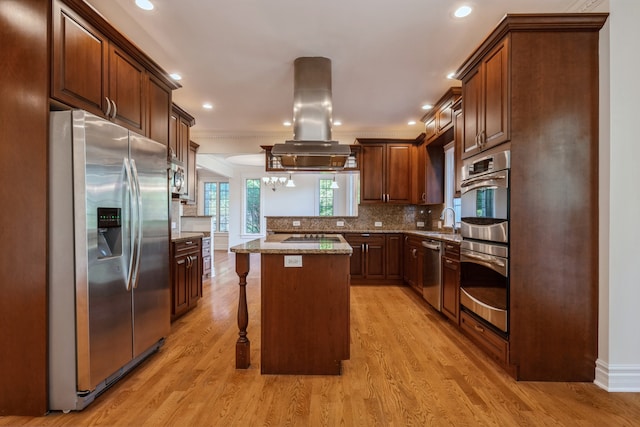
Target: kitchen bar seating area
[396,375]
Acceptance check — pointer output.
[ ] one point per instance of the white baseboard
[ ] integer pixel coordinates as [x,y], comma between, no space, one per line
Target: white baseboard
[617,378]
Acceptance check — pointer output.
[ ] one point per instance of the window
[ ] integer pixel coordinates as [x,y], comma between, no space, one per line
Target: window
[216,204]
[326,197]
[252,206]
[449,187]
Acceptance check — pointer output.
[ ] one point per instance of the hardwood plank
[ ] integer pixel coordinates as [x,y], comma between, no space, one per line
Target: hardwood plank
[408,366]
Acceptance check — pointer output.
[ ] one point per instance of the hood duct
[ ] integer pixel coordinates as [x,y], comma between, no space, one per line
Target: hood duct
[312,147]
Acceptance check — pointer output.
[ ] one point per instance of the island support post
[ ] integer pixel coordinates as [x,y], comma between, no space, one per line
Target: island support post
[243,346]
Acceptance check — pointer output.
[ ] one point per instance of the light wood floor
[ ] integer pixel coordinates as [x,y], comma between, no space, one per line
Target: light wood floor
[408,366]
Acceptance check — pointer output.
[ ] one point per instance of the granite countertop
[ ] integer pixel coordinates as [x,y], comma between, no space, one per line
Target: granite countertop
[179,237]
[438,235]
[273,244]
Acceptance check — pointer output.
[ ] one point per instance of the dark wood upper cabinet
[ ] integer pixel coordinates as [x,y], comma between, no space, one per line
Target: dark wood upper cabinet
[192,176]
[458,135]
[486,100]
[79,61]
[159,111]
[95,68]
[127,81]
[386,170]
[440,118]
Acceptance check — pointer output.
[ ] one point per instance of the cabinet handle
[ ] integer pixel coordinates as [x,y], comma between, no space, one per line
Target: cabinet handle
[424,197]
[189,242]
[478,328]
[448,261]
[414,252]
[108,106]
[115,110]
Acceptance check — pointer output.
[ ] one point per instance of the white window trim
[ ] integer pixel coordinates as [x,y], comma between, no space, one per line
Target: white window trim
[243,233]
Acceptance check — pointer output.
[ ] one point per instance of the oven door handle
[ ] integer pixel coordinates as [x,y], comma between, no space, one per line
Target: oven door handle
[490,180]
[496,264]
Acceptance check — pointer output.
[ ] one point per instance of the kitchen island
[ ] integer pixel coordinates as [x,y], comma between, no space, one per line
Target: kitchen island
[304,303]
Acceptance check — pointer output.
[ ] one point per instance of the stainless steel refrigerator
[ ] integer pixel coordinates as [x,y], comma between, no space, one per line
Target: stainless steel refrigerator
[109,301]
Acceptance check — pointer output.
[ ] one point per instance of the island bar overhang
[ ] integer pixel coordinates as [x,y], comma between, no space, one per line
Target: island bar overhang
[304,305]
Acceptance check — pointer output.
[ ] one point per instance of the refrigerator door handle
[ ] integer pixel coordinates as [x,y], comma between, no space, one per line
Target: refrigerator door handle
[138,219]
[127,169]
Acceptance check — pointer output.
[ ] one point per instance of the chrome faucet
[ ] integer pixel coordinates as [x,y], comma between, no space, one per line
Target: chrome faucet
[453,213]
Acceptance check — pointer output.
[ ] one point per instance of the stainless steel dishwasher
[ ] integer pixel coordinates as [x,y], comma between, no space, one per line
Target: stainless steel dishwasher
[432,275]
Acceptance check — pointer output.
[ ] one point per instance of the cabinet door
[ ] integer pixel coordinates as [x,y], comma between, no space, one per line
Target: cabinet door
[471,101]
[398,173]
[371,173]
[496,97]
[194,277]
[457,153]
[356,260]
[182,145]
[79,61]
[192,188]
[434,171]
[158,110]
[451,288]
[430,128]
[180,291]
[375,257]
[444,117]
[126,90]
[420,175]
[394,256]
[173,136]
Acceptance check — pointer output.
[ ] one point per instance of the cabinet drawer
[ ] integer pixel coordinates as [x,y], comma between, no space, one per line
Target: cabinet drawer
[493,344]
[187,246]
[206,243]
[452,250]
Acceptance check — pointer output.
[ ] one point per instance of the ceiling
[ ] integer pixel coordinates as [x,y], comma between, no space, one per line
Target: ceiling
[388,57]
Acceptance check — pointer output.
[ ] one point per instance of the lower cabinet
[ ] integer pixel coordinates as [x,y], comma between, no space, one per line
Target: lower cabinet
[493,344]
[376,258]
[186,274]
[206,257]
[413,262]
[451,281]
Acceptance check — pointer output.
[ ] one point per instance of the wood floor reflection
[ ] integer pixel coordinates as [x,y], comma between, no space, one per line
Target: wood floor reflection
[409,366]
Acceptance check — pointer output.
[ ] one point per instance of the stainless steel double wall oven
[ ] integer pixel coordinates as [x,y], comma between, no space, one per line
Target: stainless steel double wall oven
[484,253]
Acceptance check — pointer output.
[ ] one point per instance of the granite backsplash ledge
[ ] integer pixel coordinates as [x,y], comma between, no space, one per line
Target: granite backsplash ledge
[392,217]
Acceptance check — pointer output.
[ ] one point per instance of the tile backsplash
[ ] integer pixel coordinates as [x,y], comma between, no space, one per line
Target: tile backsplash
[370,217]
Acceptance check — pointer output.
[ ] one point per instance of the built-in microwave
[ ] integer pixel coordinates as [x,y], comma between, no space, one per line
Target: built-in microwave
[485,196]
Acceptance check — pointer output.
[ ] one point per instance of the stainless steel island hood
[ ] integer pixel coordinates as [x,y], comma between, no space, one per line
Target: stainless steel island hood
[312,147]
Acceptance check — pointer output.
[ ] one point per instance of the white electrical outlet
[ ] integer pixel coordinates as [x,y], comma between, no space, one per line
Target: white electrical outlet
[293,260]
[420,224]
[340,223]
[173,224]
[378,223]
[296,223]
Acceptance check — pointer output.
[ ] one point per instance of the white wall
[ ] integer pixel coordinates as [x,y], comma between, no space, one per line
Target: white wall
[619,316]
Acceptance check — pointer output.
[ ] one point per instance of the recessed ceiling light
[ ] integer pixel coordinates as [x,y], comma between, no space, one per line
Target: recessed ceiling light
[450,75]
[175,76]
[337,123]
[427,107]
[286,123]
[462,11]
[144,4]
[207,106]
[411,122]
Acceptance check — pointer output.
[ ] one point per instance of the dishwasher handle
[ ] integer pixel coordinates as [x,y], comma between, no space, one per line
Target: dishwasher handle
[430,244]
